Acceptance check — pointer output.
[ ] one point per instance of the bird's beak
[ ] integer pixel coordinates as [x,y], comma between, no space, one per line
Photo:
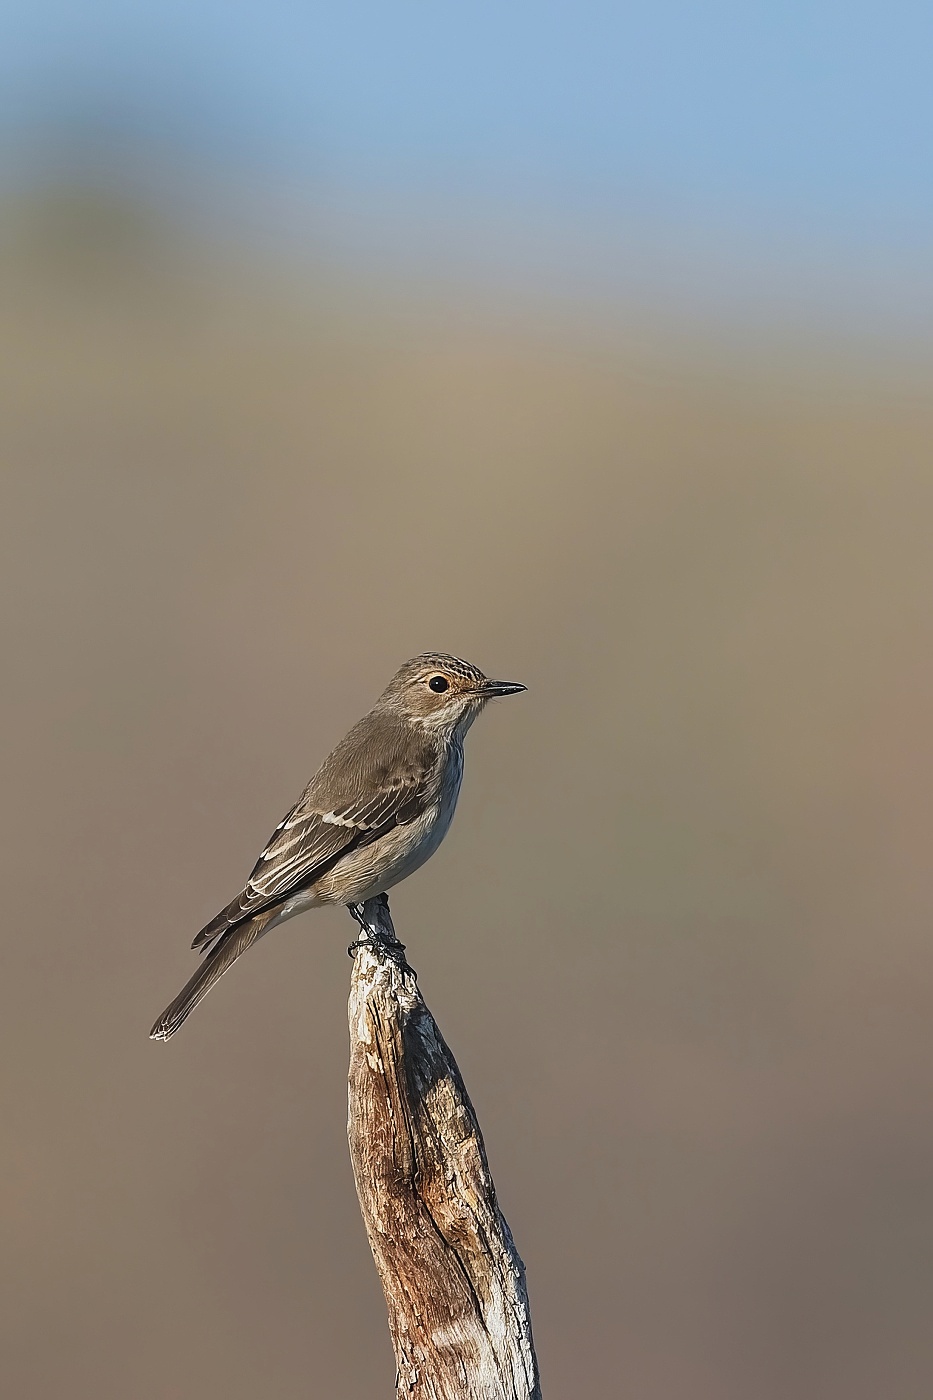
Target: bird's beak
[490,688]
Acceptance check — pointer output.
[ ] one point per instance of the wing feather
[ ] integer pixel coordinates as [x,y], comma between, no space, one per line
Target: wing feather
[315,835]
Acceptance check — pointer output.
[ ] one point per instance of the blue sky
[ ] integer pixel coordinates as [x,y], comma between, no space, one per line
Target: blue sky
[758,124]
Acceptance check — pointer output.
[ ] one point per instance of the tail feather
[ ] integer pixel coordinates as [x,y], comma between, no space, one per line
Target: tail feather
[222,956]
[228,918]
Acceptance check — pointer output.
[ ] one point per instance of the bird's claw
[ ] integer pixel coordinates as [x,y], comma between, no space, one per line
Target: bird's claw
[394,950]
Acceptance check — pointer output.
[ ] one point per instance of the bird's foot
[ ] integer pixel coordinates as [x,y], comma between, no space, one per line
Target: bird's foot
[368,933]
[375,940]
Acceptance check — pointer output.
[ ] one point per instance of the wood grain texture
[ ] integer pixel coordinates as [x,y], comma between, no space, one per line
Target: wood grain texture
[453,1280]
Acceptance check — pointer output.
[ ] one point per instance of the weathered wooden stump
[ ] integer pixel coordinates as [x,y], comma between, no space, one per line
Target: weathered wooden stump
[453,1280]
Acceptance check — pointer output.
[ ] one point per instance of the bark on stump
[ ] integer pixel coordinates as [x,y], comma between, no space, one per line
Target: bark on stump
[453,1280]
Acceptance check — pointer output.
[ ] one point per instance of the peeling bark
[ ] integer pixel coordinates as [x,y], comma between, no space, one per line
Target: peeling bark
[453,1280]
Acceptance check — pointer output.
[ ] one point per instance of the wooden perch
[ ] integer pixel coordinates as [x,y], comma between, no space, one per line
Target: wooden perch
[453,1280]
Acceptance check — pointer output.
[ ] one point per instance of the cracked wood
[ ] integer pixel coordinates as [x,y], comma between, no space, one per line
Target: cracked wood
[453,1280]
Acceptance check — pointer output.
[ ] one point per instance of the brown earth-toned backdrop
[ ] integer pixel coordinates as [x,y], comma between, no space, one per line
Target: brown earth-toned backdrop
[681,936]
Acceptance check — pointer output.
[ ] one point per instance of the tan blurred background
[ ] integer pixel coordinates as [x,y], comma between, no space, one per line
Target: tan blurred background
[681,936]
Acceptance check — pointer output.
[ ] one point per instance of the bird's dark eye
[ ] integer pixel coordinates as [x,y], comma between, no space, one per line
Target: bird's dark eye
[439,684]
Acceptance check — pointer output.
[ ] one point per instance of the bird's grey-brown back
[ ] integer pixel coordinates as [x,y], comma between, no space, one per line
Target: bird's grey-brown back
[384,750]
[376,810]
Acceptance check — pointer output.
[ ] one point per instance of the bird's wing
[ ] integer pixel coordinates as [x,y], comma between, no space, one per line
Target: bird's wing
[310,840]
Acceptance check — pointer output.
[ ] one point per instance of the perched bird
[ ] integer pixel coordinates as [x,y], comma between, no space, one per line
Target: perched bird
[377,808]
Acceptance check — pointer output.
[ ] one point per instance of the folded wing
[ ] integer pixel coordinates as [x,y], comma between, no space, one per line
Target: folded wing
[310,841]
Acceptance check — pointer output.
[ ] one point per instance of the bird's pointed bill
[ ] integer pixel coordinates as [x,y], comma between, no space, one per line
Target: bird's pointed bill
[501,688]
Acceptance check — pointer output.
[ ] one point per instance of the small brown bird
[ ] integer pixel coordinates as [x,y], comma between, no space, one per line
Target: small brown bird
[377,808]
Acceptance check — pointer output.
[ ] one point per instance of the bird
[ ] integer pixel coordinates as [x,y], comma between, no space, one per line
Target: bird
[378,807]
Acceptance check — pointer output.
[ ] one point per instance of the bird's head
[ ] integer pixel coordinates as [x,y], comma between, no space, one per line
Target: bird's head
[442,692]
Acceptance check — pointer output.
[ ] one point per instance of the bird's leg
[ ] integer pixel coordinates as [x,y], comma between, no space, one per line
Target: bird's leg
[375,937]
[356,912]
[371,932]
[367,934]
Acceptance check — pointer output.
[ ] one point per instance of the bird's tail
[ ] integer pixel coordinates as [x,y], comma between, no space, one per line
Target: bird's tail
[221,957]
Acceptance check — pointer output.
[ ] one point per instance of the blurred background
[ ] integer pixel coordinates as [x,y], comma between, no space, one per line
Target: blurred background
[591,342]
